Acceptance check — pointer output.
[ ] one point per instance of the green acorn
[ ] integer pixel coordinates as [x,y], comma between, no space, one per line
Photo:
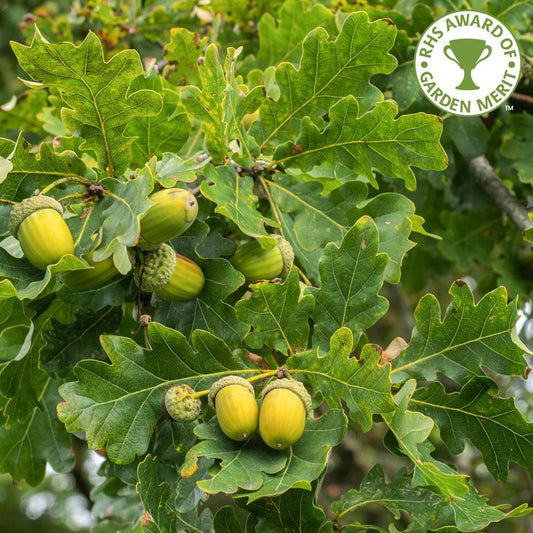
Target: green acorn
[170,275]
[84,280]
[179,405]
[284,409]
[37,222]
[173,213]
[233,399]
[257,263]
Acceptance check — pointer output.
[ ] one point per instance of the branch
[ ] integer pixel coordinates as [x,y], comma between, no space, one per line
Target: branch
[523,98]
[486,176]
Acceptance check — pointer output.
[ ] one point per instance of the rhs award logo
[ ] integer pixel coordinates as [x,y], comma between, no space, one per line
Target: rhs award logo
[467,63]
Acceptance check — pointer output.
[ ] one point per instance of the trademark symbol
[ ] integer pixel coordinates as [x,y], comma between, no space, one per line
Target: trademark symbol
[508,107]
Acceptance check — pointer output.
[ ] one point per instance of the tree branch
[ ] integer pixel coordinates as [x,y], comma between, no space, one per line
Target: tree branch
[523,98]
[486,176]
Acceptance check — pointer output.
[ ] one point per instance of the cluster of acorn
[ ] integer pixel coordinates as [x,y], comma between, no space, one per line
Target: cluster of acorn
[285,405]
[38,223]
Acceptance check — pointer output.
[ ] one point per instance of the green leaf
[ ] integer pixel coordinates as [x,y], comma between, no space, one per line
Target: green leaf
[116,506]
[295,510]
[16,328]
[20,113]
[350,278]
[493,425]
[95,92]
[27,446]
[469,135]
[22,381]
[365,389]
[242,466]
[156,497]
[254,471]
[428,511]
[33,171]
[208,311]
[225,520]
[65,345]
[183,52]
[283,42]
[112,294]
[516,146]
[471,337]
[374,141]
[423,506]
[328,71]
[119,404]
[411,429]
[278,316]
[310,218]
[206,104]
[392,214]
[157,134]
[469,236]
[26,281]
[236,200]
[112,223]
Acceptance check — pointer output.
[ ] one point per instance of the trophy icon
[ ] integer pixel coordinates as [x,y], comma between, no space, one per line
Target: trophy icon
[467,53]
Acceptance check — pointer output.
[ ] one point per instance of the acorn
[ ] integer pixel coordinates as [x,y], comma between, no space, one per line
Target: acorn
[284,408]
[233,399]
[179,405]
[173,212]
[170,275]
[84,280]
[37,222]
[257,263]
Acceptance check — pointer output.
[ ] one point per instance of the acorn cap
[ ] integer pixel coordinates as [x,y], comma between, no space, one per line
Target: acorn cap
[224,382]
[143,244]
[180,406]
[157,267]
[293,385]
[287,253]
[28,206]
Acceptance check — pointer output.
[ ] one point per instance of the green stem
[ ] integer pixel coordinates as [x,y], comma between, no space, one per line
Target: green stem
[7,201]
[262,375]
[81,181]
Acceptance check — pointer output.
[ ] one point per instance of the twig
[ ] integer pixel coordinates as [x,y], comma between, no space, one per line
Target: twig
[522,98]
[486,176]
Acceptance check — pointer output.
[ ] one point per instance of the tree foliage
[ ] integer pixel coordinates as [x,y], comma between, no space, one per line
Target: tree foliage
[301,119]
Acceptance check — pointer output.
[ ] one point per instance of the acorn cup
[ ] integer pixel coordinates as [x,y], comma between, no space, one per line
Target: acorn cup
[233,399]
[173,213]
[284,408]
[257,263]
[179,405]
[172,276]
[37,222]
[85,280]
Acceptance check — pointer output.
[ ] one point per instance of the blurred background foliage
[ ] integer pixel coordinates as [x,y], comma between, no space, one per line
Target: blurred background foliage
[477,242]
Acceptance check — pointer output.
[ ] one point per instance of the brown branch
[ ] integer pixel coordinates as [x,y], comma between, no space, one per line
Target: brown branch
[522,98]
[486,176]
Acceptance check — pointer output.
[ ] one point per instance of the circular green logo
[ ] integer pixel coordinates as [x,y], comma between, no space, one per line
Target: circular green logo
[467,63]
